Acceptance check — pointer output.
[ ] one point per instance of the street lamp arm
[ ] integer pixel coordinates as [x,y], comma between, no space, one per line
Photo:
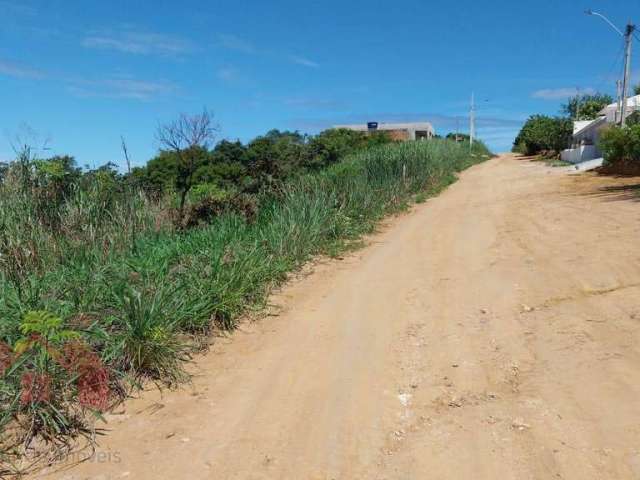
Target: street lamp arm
[591,12]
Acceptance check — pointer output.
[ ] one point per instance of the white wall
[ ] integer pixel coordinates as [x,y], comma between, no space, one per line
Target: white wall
[579,154]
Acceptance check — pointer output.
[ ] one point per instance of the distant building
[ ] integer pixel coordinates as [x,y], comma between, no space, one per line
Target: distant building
[397,131]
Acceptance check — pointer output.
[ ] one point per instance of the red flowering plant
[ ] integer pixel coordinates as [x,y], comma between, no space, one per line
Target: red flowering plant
[6,358]
[51,377]
[91,376]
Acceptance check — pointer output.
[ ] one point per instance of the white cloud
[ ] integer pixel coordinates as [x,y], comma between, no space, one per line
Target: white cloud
[17,8]
[114,86]
[315,103]
[227,74]
[232,42]
[561,93]
[11,69]
[304,61]
[238,44]
[231,75]
[139,43]
[121,87]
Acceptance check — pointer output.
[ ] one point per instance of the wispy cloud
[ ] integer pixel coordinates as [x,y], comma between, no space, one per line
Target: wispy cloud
[11,69]
[305,62]
[17,8]
[121,87]
[232,76]
[239,44]
[561,93]
[227,74]
[315,103]
[233,42]
[138,43]
[115,86]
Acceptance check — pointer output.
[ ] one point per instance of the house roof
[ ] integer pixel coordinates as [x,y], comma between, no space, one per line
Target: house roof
[390,126]
[587,125]
[632,103]
[580,124]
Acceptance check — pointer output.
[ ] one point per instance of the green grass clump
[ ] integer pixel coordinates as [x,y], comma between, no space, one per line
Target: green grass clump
[136,303]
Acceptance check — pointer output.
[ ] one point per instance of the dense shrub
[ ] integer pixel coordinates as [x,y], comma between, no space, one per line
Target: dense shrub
[264,161]
[543,134]
[621,144]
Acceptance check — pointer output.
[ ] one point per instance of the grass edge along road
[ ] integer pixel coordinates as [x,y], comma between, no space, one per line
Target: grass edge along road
[75,338]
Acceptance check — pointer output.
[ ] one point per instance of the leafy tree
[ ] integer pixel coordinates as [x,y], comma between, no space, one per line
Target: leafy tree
[275,155]
[293,137]
[542,133]
[460,137]
[636,89]
[586,107]
[227,165]
[331,145]
[188,138]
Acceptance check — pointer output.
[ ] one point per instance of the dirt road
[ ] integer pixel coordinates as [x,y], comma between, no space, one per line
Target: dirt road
[491,333]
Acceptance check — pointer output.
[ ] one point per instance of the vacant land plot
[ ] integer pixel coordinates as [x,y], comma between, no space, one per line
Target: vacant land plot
[494,332]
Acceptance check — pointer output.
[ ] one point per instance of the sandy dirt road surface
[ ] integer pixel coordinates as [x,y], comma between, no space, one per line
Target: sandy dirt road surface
[491,333]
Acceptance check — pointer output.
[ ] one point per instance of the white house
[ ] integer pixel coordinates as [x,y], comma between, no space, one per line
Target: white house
[586,133]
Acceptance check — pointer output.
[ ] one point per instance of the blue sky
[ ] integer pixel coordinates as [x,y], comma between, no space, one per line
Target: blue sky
[76,75]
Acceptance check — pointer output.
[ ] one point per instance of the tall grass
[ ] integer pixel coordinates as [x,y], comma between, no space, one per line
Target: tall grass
[139,301]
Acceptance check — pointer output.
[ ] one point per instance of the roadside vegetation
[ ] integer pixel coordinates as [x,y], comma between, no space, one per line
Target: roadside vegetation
[547,135]
[621,147]
[544,135]
[111,280]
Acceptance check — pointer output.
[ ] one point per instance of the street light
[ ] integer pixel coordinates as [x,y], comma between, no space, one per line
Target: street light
[627,59]
[591,12]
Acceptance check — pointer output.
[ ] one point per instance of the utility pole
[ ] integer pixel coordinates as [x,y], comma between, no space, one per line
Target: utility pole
[626,79]
[627,34]
[618,100]
[472,120]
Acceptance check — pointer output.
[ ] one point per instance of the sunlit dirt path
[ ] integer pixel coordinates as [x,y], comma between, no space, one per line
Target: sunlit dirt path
[491,333]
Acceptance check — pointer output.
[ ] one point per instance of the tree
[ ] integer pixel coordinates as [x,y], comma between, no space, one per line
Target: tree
[458,137]
[542,133]
[332,145]
[187,137]
[275,155]
[586,107]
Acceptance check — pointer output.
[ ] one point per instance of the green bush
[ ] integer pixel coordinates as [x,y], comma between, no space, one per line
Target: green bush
[543,134]
[621,144]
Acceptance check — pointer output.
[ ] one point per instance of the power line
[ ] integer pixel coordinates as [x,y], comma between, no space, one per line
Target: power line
[618,61]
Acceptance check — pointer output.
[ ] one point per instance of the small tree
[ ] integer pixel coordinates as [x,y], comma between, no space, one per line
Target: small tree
[458,137]
[187,137]
[586,107]
[543,134]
